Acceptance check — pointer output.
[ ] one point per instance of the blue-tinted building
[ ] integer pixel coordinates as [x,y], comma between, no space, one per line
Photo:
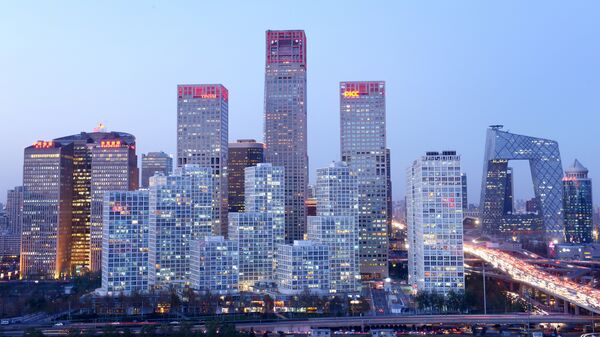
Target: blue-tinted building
[578,208]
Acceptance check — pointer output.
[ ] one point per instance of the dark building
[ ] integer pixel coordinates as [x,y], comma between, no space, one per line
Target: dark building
[388,179]
[465,200]
[155,162]
[578,208]
[243,153]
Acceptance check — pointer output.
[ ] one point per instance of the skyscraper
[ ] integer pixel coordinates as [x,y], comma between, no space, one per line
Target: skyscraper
[243,153]
[155,162]
[202,139]
[543,156]
[285,121]
[215,265]
[336,225]
[301,266]
[435,223]
[14,215]
[125,264]
[363,147]
[47,195]
[181,210]
[578,208]
[114,168]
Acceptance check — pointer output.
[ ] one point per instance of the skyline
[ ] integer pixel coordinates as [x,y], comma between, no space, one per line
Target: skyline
[540,77]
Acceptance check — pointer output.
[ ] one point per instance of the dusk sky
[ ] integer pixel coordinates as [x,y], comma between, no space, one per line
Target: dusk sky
[451,69]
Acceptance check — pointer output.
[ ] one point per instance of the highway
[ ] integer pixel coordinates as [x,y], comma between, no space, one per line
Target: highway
[581,295]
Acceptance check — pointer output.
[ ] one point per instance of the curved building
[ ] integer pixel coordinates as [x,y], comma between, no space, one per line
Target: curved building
[546,173]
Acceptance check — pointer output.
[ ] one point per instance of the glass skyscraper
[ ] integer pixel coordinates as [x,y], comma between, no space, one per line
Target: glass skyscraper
[202,139]
[546,172]
[363,147]
[243,153]
[435,223]
[285,121]
[578,207]
[155,162]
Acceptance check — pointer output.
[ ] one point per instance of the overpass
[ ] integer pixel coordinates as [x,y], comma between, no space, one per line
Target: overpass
[582,296]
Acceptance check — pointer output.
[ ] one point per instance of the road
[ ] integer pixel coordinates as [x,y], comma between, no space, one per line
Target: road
[583,296]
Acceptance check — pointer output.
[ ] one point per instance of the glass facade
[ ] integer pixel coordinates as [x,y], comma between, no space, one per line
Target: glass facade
[243,153]
[155,162]
[578,207]
[215,265]
[303,265]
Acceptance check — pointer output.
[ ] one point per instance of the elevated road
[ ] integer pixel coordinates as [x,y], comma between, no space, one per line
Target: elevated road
[582,296]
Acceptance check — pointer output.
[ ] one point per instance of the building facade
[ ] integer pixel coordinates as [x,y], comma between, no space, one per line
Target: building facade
[202,139]
[435,223]
[46,222]
[543,156]
[14,216]
[243,153]
[285,127]
[302,266]
[155,162]
[578,209]
[113,168]
[126,219]
[215,265]
[363,147]
[181,210]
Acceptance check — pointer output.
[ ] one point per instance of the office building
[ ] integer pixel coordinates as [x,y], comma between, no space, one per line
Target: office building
[202,136]
[155,162]
[363,147]
[181,210]
[11,237]
[463,182]
[578,209]
[46,222]
[543,156]
[113,168]
[435,223]
[301,266]
[126,219]
[243,153]
[285,121]
[215,265]
[336,225]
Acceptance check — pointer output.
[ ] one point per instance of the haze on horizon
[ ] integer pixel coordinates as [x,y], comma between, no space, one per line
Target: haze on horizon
[451,69]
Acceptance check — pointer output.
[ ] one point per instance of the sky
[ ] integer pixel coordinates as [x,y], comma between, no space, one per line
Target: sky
[451,69]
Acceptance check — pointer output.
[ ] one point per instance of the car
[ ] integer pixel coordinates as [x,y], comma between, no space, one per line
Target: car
[59,324]
[4,322]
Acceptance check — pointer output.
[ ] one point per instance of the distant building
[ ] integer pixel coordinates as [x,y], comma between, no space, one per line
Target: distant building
[215,265]
[302,266]
[11,237]
[578,209]
[285,127]
[435,223]
[243,153]
[155,162]
[125,267]
[47,195]
[363,147]
[463,182]
[181,211]
[202,136]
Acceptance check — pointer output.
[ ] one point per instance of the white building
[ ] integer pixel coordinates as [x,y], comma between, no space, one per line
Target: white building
[435,228]
[336,225]
[254,235]
[303,265]
[125,242]
[181,210]
[215,265]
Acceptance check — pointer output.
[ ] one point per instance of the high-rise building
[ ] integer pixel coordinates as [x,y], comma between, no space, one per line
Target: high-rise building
[435,223]
[46,222]
[113,168]
[265,193]
[363,147]
[301,266]
[285,121]
[202,136]
[155,162]
[253,231]
[578,208]
[463,182]
[14,214]
[546,173]
[243,153]
[125,266]
[181,210]
[390,204]
[336,225]
[215,265]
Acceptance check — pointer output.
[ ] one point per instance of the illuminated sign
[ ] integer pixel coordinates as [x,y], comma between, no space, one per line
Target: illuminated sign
[351,93]
[40,144]
[110,143]
[208,96]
